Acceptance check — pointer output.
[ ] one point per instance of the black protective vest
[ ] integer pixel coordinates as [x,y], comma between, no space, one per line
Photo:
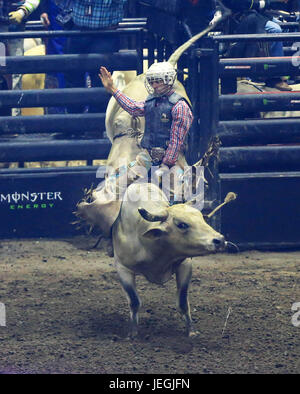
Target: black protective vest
[158,120]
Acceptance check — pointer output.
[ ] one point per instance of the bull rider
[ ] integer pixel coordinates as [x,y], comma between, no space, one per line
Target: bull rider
[168,118]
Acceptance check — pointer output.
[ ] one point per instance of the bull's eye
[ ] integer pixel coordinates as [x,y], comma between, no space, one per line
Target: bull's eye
[182,225]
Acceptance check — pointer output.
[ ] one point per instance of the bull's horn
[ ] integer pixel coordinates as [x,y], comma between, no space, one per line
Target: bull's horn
[151,217]
[173,59]
[229,197]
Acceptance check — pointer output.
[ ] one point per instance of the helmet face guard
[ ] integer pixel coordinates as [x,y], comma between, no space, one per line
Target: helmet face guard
[160,72]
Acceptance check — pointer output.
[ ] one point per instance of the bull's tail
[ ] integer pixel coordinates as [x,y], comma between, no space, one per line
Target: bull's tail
[173,59]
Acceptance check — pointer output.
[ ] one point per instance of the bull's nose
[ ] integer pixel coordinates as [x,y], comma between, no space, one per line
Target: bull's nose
[218,241]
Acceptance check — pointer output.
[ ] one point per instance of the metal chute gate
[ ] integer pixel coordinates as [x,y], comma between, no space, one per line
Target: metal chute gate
[259,157]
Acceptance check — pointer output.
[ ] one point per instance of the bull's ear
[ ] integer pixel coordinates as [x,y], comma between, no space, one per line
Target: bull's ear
[155,233]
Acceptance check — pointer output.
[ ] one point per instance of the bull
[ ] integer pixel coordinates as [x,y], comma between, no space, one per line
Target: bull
[154,239]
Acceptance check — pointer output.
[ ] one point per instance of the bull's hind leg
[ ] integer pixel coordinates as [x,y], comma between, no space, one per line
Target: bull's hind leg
[183,277]
[127,279]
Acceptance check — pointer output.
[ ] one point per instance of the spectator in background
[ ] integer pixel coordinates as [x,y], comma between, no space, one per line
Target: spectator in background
[273,27]
[92,15]
[54,46]
[17,13]
[251,17]
[291,6]
[276,50]
[247,18]
[197,14]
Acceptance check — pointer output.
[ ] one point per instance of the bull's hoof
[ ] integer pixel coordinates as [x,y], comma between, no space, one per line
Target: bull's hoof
[193,334]
[132,336]
[110,250]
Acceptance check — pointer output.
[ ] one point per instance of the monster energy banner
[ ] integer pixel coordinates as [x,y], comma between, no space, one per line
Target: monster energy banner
[29,200]
[41,203]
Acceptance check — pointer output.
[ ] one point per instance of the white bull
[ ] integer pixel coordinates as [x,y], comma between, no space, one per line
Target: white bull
[154,239]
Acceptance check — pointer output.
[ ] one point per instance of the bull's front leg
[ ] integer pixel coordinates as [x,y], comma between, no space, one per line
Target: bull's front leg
[183,277]
[127,280]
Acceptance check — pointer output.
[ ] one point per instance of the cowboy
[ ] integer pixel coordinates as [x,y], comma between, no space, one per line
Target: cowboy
[168,117]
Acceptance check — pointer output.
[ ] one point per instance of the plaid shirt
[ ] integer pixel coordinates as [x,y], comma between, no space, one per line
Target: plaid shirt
[182,118]
[102,13]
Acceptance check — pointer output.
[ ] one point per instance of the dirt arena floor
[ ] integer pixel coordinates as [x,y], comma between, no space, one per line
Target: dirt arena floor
[66,313]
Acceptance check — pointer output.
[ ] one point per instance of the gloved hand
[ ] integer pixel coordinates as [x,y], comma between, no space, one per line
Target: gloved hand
[262,4]
[135,173]
[163,169]
[265,4]
[16,16]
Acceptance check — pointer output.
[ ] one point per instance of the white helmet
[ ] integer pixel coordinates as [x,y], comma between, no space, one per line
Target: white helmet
[161,71]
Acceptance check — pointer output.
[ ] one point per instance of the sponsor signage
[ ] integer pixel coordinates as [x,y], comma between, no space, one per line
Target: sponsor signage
[41,204]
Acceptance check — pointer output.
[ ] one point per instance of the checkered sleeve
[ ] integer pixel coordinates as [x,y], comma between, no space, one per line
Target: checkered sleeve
[134,108]
[182,119]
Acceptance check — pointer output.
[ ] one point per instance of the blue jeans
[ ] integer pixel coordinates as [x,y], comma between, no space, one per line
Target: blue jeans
[276,47]
[55,45]
[85,45]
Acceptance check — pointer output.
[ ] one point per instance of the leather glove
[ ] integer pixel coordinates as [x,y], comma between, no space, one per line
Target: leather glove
[16,16]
